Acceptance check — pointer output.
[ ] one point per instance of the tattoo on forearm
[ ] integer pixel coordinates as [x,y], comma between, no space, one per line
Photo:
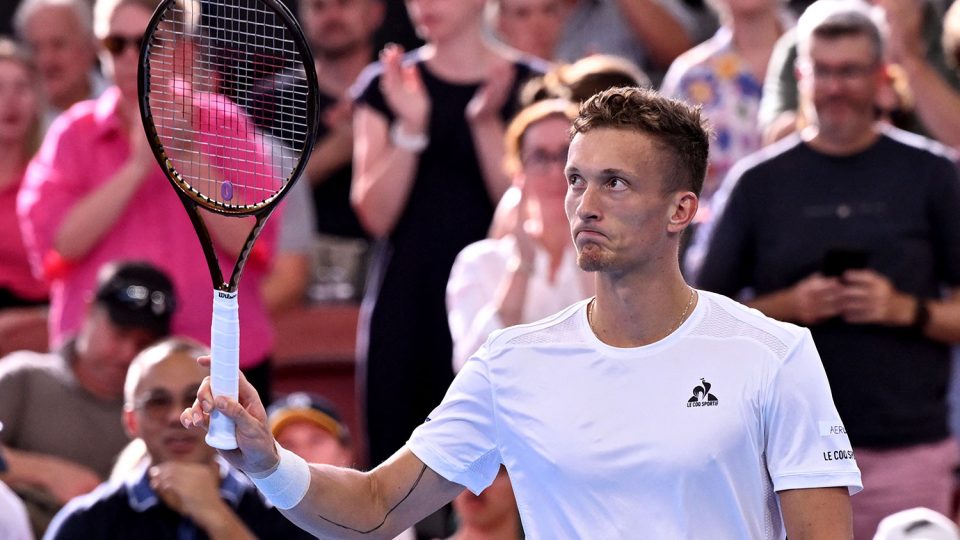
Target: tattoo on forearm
[385,516]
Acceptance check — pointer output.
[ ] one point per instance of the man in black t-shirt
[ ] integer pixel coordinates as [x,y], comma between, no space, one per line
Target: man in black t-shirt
[853,229]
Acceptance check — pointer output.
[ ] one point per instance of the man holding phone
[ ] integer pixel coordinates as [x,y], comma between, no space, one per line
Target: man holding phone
[851,228]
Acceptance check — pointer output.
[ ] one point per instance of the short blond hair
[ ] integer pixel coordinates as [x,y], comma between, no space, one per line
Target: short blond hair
[677,127]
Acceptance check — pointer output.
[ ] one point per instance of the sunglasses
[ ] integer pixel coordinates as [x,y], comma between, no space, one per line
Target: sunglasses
[116,45]
[157,405]
[138,297]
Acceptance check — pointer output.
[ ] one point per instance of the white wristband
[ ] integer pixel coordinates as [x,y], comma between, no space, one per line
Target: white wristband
[405,141]
[287,484]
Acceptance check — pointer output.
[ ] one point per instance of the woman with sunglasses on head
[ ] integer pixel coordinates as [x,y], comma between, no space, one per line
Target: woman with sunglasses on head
[95,193]
[20,106]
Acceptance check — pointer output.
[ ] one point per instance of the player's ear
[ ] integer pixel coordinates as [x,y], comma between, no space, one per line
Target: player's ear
[683,209]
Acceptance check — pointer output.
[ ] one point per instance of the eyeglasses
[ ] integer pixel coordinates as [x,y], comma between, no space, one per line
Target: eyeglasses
[116,45]
[540,159]
[843,72]
[157,404]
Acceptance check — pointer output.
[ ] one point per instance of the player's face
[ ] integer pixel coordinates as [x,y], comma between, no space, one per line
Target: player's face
[336,28]
[441,20]
[619,213]
[165,389]
[314,444]
[64,52]
[127,26]
[18,102]
[840,80]
[543,154]
[531,26]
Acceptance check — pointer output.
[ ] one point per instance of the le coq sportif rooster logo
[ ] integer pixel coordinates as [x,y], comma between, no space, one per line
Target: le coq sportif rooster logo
[702,396]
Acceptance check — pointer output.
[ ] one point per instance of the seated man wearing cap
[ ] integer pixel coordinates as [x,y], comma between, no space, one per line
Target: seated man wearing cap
[311,427]
[180,489]
[60,410]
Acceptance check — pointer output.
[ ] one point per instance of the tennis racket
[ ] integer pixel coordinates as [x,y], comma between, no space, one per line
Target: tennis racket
[228,94]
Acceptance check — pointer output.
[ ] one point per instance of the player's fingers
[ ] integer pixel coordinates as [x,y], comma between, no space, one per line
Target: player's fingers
[196,416]
[204,361]
[233,410]
[193,418]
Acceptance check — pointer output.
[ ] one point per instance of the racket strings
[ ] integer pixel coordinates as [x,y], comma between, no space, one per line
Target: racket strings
[228,96]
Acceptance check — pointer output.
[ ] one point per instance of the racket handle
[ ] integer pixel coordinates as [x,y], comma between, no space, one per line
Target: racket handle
[224,366]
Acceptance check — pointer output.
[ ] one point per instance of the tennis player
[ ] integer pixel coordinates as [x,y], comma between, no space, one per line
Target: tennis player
[652,410]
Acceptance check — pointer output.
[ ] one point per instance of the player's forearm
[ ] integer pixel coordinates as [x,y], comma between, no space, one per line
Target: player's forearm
[382,503]
[661,33]
[343,503]
[92,217]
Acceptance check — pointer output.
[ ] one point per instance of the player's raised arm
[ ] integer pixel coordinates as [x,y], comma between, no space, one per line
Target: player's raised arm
[327,501]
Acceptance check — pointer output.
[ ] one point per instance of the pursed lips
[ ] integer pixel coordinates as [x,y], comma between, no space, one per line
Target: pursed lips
[588,232]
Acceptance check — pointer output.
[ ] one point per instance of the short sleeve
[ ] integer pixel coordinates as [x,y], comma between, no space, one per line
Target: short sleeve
[366,91]
[459,439]
[806,442]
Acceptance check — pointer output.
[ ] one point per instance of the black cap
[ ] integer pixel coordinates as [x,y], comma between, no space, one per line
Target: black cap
[136,295]
[307,407]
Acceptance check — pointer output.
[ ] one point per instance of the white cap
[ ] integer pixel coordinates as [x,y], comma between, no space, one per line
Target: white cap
[917,524]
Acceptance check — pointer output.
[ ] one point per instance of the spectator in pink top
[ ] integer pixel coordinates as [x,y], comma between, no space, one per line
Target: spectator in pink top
[19,134]
[94,193]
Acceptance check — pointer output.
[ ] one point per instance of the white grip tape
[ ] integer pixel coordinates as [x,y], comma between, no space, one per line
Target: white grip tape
[287,484]
[224,366]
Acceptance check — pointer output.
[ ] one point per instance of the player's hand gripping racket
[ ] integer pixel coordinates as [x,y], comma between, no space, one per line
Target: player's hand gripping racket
[206,69]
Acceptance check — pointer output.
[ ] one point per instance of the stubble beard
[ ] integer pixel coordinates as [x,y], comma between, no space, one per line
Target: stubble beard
[591,259]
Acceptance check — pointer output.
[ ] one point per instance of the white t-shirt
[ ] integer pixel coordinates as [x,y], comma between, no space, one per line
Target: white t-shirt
[687,437]
[476,276]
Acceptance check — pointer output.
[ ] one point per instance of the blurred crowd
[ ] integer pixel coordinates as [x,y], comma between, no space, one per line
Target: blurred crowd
[434,199]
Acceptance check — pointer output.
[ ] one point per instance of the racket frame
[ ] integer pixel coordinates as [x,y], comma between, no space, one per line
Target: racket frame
[222,434]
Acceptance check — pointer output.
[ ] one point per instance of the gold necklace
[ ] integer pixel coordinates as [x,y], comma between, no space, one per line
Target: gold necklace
[693,294]
[683,316]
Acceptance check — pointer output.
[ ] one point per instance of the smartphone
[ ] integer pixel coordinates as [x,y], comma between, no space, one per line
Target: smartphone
[836,261]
